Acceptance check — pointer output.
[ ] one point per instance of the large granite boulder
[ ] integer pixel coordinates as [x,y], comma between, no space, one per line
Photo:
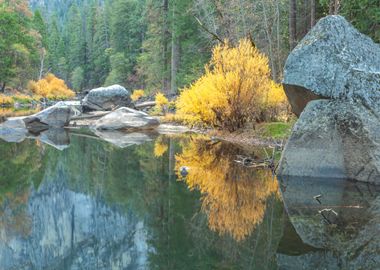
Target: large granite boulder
[126,119]
[107,98]
[17,128]
[333,61]
[334,139]
[56,116]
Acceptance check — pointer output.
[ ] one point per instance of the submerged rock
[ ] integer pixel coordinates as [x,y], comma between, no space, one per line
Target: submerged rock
[124,119]
[107,98]
[334,139]
[336,61]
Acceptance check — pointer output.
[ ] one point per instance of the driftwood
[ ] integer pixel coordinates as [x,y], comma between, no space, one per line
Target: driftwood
[145,104]
[90,115]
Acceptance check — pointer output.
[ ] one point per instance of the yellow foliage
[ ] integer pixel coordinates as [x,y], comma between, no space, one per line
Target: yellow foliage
[10,112]
[160,148]
[161,104]
[6,100]
[277,103]
[233,90]
[161,100]
[51,87]
[233,196]
[137,94]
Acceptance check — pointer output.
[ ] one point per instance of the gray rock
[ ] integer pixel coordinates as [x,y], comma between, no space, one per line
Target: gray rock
[13,130]
[123,140]
[75,105]
[107,98]
[126,119]
[333,61]
[334,139]
[56,116]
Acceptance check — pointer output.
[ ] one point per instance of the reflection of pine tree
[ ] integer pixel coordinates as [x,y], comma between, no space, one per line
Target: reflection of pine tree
[234,197]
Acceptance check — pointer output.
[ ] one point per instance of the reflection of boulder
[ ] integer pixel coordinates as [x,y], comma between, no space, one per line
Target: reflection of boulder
[56,137]
[334,61]
[122,140]
[349,231]
[107,98]
[74,231]
[124,119]
[335,140]
[13,130]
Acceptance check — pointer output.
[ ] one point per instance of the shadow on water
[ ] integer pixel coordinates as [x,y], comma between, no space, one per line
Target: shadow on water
[121,203]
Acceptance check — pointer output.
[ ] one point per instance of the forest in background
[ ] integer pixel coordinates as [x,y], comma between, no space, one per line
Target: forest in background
[156,45]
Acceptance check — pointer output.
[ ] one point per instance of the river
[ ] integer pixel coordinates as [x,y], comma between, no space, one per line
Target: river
[93,205]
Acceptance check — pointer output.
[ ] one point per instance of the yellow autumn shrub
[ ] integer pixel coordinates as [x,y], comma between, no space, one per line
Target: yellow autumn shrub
[233,197]
[161,100]
[6,100]
[51,87]
[277,103]
[161,104]
[233,91]
[137,94]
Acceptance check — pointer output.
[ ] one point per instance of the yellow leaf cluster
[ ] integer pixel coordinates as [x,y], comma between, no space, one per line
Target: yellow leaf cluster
[51,87]
[161,100]
[137,94]
[233,90]
[276,95]
[6,100]
[234,197]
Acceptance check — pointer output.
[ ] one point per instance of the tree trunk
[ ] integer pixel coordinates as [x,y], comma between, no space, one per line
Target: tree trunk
[165,41]
[292,23]
[312,12]
[175,56]
[332,7]
[269,38]
[2,90]
[42,62]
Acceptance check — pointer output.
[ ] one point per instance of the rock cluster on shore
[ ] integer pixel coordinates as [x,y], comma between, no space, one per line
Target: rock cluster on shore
[103,110]
[335,73]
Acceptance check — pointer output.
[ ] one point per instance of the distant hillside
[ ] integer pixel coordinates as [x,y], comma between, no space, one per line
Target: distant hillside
[59,8]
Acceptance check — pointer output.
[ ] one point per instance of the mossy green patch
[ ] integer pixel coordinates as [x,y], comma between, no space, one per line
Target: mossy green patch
[275,130]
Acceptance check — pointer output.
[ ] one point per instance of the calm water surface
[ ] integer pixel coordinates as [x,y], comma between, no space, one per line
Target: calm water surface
[92,205]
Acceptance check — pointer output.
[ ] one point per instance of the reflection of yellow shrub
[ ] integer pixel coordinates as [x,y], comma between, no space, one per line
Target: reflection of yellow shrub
[6,100]
[160,148]
[234,197]
[51,87]
[233,90]
[137,94]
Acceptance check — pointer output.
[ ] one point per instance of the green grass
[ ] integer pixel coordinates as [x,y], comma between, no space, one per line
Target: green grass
[276,130]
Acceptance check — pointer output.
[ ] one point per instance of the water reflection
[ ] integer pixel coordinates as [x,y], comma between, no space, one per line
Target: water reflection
[12,112]
[95,205]
[233,196]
